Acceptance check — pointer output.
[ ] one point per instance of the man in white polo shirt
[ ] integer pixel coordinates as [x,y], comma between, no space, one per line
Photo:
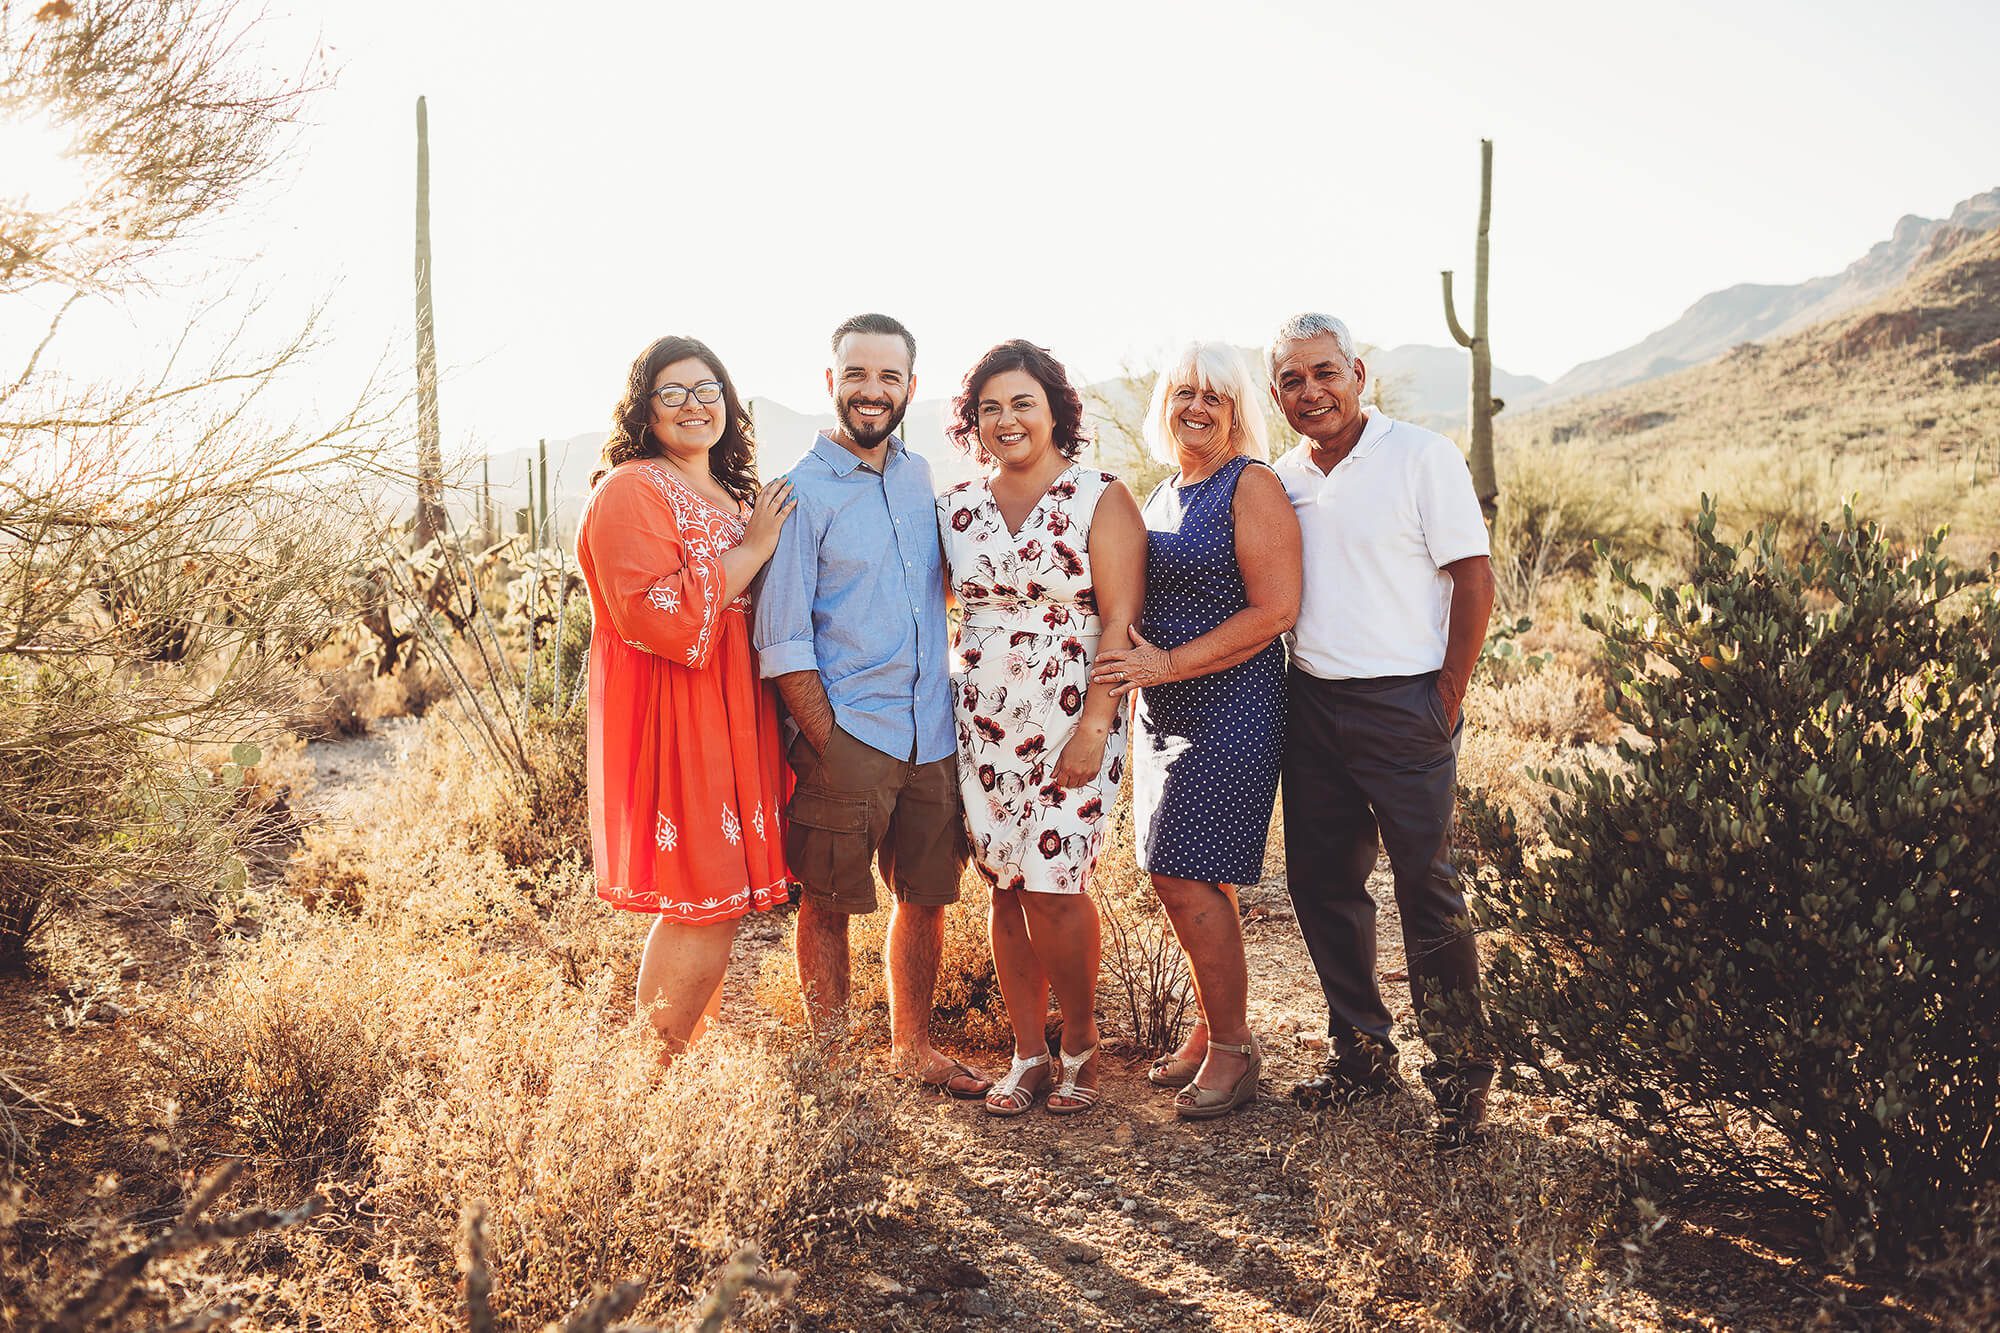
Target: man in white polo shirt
[1397,594]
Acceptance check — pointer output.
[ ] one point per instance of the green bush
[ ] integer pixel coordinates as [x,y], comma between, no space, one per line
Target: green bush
[1764,941]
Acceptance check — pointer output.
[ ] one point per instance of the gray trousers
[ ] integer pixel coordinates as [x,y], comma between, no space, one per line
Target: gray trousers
[1370,763]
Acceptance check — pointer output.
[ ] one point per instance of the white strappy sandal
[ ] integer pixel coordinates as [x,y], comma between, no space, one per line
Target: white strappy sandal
[1008,1097]
[1085,1098]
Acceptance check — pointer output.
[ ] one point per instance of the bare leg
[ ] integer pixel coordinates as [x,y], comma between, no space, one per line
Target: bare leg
[680,972]
[822,953]
[1195,1045]
[1023,983]
[916,942]
[1205,922]
[709,1011]
[1066,935]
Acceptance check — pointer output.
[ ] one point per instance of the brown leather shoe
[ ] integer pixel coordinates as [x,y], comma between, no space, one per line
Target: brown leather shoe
[1358,1076]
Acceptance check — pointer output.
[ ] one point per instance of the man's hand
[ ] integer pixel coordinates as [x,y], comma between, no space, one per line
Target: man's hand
[1451,697]
[805,699]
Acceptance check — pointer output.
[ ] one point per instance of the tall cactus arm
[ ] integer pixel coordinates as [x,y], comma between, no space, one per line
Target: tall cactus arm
[1458,332]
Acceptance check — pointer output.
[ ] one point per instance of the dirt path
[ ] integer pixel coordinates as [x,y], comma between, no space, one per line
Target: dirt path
[1125,1218]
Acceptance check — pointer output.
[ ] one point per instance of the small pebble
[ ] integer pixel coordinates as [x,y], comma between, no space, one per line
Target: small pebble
[1093,1294]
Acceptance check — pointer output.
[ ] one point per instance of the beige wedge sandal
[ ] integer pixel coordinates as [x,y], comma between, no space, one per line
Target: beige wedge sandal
[1195,1102]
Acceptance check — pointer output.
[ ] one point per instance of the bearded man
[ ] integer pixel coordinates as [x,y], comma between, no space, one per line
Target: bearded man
[850,622]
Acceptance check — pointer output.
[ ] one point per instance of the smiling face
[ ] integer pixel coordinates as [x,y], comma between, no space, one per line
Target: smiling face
[689,431]
[1319,388]
[870,382]
[1202,420]
[1016,425]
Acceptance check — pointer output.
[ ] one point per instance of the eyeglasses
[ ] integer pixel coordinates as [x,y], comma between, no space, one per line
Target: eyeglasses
[673,395]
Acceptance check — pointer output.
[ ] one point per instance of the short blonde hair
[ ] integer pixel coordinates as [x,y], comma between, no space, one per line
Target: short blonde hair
[1208,366]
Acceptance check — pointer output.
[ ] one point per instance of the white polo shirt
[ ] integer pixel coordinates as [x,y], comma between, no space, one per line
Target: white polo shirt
[1378,531]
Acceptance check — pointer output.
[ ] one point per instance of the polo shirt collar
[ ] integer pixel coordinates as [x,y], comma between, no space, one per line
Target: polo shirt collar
[1300,454]
[843,460]
[1372,433]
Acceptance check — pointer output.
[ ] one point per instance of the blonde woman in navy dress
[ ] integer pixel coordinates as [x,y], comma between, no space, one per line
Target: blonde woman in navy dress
[1222,584]
[1046,557]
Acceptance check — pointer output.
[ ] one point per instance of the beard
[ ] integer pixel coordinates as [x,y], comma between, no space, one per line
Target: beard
[860,429]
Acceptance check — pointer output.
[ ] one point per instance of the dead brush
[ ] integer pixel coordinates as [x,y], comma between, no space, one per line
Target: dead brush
[1513,1235]
[1145,973]
[286,1049]
[744,1272]
[119,1286]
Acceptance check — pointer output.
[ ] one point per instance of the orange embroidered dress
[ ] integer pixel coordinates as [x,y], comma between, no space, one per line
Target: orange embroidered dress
[687,769]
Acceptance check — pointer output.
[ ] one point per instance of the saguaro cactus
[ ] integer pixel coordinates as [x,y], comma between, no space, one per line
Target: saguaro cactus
[1482,404]
[489,520]
[546,512]
[430,452]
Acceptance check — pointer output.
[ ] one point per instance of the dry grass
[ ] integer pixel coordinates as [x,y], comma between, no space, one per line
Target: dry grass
[1512,1236]
[451,1028]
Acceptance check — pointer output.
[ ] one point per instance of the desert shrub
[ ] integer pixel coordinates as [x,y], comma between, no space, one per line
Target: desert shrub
[1560,502]
[1763,939]
[592,1164]
[418,1047]
[1553,703]
[289,1046]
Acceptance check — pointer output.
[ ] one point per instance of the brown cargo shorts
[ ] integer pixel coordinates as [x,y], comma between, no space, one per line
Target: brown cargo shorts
[854,803]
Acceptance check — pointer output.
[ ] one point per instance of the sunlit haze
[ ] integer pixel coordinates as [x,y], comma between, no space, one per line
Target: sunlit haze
[1106,179]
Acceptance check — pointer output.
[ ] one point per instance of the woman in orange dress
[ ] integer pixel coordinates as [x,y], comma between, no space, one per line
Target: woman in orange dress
[687,769]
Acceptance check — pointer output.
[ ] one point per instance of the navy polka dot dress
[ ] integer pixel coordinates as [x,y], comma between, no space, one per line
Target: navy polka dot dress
[1205,752]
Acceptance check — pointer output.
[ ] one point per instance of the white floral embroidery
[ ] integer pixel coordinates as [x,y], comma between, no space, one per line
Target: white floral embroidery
[707,532]
[665,835]
[732,827]
[757,818]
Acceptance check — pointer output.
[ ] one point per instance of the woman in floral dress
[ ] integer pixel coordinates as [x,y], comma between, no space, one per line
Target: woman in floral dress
[687,769]
[1046,556]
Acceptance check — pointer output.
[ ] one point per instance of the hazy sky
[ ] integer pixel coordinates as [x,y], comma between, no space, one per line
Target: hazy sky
[1105,178]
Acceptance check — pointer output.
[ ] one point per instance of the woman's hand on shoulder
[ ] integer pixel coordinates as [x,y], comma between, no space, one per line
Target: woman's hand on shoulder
[773,506]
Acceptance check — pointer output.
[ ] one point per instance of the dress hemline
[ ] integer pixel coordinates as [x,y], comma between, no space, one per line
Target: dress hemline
[739,904]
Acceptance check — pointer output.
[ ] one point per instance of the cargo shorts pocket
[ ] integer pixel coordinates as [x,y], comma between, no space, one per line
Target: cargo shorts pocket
[827,845]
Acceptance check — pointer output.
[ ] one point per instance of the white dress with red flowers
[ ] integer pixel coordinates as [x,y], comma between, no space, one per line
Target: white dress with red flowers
[1025,644]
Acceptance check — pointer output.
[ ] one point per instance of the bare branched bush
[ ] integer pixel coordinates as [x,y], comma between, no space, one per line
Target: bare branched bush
[152,101]
[1146,982]
[164,553]
[1146,977]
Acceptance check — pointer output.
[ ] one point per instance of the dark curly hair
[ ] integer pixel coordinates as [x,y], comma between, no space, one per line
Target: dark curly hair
[733,460]
[1069,435]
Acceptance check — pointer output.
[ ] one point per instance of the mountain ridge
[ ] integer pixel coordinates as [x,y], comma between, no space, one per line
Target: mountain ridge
[1759,312]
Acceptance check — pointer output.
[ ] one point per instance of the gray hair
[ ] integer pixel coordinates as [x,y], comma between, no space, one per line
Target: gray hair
[1310,324]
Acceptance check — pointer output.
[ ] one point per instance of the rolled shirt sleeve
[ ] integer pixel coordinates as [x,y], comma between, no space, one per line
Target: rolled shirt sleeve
[781,627]
[1448,507]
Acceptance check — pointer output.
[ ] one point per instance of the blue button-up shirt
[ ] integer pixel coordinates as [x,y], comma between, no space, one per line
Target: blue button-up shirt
[855,591]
